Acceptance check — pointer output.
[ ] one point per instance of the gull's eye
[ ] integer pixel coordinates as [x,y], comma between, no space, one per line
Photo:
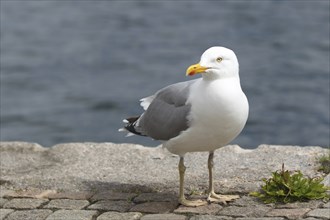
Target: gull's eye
[219,59]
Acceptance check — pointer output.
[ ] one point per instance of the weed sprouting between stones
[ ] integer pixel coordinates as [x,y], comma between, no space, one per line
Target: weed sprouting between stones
[290,186]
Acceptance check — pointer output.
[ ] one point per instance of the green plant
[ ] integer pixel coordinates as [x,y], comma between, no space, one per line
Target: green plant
[285,187]
[324,163]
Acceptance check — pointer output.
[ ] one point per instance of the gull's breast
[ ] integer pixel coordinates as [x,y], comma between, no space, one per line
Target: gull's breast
[219,111]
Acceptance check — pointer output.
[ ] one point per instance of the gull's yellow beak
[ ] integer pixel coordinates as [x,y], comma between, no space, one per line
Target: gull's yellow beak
[194,69]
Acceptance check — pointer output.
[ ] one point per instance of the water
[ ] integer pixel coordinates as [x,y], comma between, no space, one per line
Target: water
[72,70]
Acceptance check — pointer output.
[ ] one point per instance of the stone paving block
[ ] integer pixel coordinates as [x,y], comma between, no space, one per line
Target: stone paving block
[108,195]
[311,218]
[79,195]
[73,214]
[235,211]
[210,217]
[264,218]
[5,212]
[120,216]
[247,201]
[164,217]
[297,205]
[109,205]
[66,204]
[206,209]
[155,197]
[326,205]
[288,213]
[319,213]
[3,201]
[154,207]
[25,203]
[35,214]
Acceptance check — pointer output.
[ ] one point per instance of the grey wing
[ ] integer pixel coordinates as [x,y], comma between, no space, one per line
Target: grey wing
[166,116]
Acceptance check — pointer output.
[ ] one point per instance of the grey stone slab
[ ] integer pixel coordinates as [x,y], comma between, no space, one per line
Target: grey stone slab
[108,195]
[120,216]
[210,217]
[5,212]
[73,214]
[288,213]
[66,204]
[265,218]
[235,211]
[25,203]
[206,209]
[320,213]
[311,218]
[155,197]
[313,204]
[245,201]
[154,207]
[109,205]
[35,214]
[164,217]
[3,201]
[326,205]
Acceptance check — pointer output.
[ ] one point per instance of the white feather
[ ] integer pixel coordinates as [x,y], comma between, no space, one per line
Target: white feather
[122,130]
[145,102]
[129,134]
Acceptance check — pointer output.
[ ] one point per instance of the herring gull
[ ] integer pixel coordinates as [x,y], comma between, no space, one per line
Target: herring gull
[203,114]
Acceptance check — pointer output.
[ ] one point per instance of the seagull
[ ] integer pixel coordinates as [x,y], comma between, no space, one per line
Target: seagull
[198,115]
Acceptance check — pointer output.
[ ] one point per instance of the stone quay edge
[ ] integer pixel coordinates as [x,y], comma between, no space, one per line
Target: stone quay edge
[126,181]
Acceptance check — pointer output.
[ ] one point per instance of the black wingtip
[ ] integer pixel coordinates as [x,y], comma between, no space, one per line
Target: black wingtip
[130,125]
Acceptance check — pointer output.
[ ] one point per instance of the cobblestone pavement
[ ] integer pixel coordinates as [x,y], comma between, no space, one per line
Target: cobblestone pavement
[83,205]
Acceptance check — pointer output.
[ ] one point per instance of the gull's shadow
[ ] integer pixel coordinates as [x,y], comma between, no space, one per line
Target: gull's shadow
[99,186]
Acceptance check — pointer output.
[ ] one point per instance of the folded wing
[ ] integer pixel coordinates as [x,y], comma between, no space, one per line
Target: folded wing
[166,113]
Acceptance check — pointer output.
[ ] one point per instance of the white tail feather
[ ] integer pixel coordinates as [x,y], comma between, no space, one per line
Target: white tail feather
[129,134]
[124,130]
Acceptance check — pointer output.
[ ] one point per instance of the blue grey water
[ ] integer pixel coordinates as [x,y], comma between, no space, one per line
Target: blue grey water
[72,70]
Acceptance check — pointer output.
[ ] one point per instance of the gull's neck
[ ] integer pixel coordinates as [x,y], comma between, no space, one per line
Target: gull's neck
[212,77]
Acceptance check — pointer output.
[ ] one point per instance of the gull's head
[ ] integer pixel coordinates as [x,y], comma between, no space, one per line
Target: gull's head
[216,62]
